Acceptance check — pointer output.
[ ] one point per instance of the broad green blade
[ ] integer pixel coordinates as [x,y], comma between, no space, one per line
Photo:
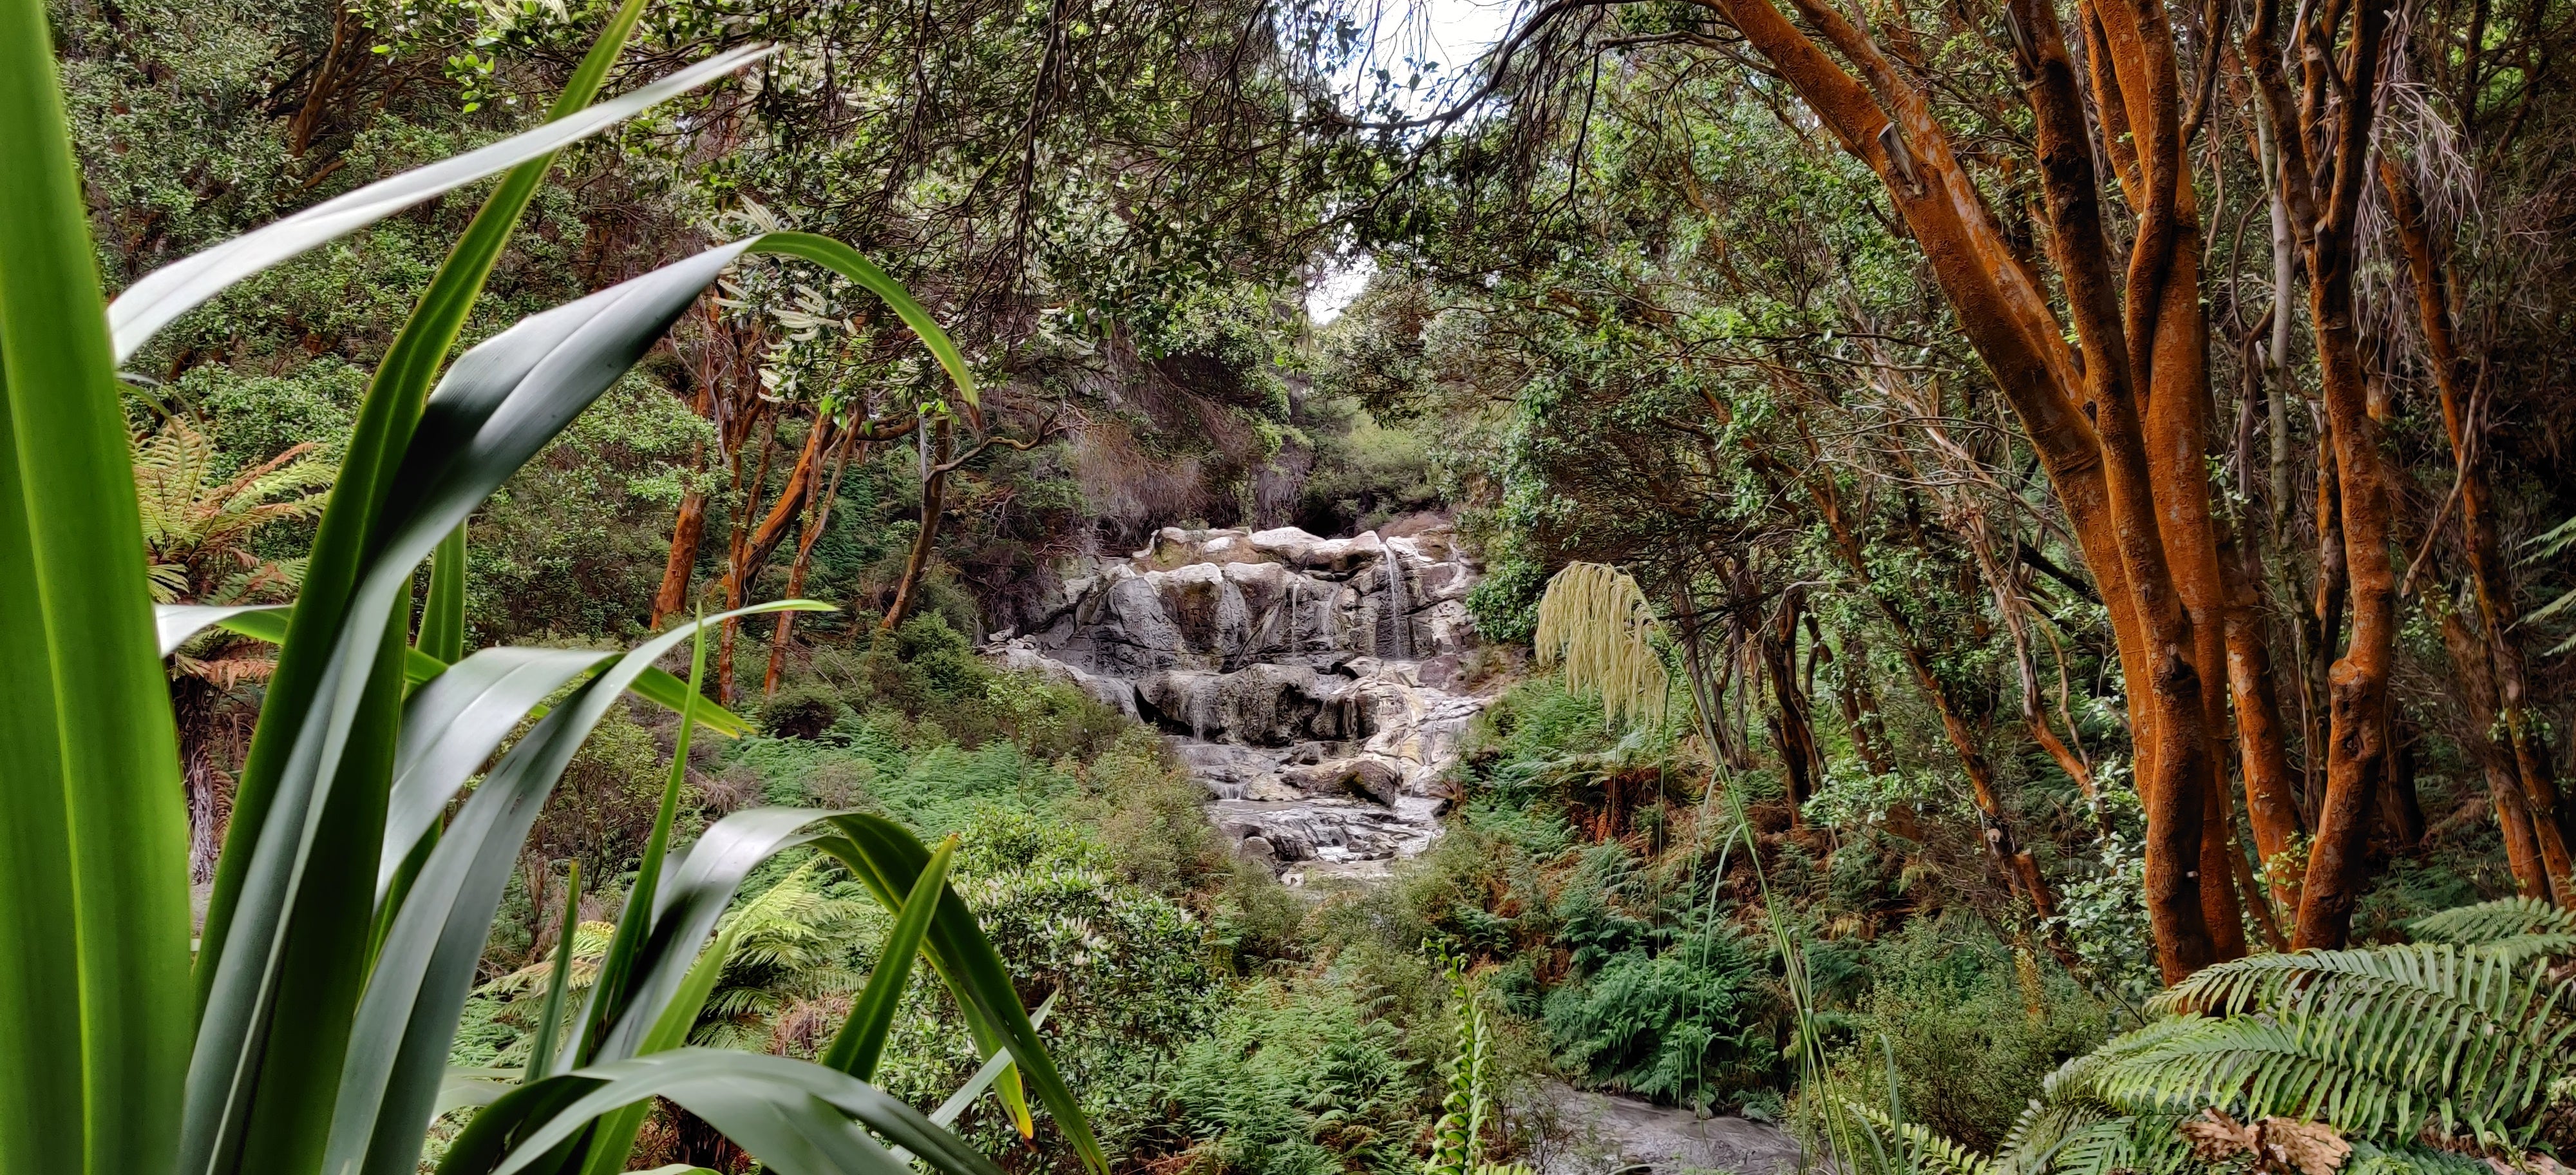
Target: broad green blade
[994,1066]
[878,862]
[885,855]
[442,615]
[268,623]
[618,968]
[849,263]
[550,1020]
[453,723]
[405,1025]
[975,1086]
[174,289]
[686,905]
[613,1139]
[485,1141]
[794,1116]
[862,1039]
[305,723]
[93,856]
[178,622]
[474,1087]
[316,846]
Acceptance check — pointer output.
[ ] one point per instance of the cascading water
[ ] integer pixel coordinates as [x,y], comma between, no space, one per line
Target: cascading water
[1324,750]
[1391,604]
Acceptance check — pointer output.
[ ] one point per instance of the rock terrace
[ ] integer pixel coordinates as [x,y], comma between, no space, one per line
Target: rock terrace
[1313,685]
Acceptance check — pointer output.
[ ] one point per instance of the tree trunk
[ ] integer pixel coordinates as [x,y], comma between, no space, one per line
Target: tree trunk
[1791,727]
[2496,613]
[2401,811]
[2175,754]
[2099,469]
[2271,800]
[818,516]
[209,787]
[2323,187]
[2357,692]
[2477,694]
[935,445]
[737,552]
[339,61]
[690,528]
[2020,873]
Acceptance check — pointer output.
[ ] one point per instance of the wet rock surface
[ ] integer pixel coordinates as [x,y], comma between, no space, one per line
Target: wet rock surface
[1311,684]
[1611,1133]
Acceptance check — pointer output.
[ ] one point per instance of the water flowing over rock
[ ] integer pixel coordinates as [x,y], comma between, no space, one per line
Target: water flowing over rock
[1313,685]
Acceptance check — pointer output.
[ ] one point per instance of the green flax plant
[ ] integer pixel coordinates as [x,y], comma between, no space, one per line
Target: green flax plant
[307,1028]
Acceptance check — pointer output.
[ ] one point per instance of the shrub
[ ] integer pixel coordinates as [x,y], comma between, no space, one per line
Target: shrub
[1686,1025]
[1299,1079]
[1971,1041]
[803,711]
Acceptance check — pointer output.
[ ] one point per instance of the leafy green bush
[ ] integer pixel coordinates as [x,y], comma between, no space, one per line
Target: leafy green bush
[1690,1024]
[802,711]
[1298,1078]
[1971,1041]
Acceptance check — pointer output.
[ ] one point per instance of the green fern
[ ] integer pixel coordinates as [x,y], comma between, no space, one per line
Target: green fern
[2471,1032]
[2488,922]
[2376,1043]
[2074,1128]
[1922,1148]
[1457,1135]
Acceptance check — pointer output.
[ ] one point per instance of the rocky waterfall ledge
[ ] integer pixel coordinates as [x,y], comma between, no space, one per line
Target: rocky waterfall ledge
[1313,685]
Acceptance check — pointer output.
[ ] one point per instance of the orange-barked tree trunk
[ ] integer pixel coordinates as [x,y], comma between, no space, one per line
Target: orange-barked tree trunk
[936,441]
[2099,469]
[2321,169]
[818,516]
[2529,754]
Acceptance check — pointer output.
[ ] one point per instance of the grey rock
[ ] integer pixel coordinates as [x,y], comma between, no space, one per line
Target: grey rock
[1608,1133]
[1309,684]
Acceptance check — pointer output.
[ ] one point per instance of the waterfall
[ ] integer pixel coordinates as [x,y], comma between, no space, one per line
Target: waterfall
[1295,581]
[1399,627]
[1276,716]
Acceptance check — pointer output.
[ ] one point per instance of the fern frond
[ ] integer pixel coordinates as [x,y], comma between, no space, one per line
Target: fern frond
[2412,1159]
[2101,1148]
[2490,921]
[2078,1082]
[1925,1149]
[2369,1068]
[2431,979]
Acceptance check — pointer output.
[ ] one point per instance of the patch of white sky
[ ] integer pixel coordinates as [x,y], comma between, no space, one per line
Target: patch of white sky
[1418,49]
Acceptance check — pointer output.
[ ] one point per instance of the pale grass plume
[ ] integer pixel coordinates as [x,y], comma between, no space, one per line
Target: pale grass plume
[1594,620]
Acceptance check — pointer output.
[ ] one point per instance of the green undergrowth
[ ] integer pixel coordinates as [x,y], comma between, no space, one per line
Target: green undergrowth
[1615,918]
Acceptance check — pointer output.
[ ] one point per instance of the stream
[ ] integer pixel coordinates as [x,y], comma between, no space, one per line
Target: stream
[1312,685]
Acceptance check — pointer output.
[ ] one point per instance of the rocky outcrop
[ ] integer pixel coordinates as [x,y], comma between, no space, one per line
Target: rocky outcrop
[1605,1133]
[1310,683]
